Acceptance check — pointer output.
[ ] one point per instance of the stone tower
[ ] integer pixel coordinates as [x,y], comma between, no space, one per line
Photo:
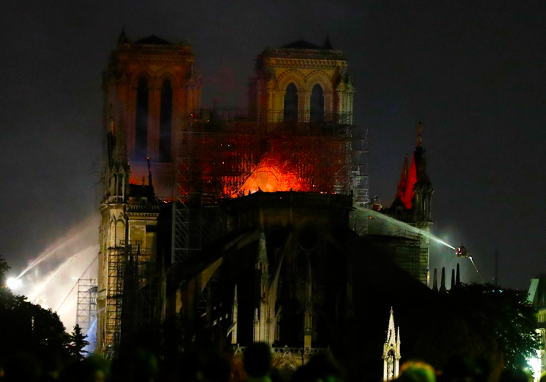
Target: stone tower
[412,205]
[302,82]
[151,87]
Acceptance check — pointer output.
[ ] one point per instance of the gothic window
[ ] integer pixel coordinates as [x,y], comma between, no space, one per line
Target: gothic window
[113,184]
[120,233]
[291,104]
[141,133]
[120,182]
[317,104]
[165,122]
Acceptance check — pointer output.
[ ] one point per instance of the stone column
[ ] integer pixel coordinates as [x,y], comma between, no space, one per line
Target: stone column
[304,106]
[154,110]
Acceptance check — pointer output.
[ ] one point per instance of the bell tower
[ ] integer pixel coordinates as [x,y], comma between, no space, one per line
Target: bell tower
[302,82]
[151,86]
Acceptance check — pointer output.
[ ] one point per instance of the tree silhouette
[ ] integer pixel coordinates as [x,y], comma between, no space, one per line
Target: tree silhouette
[29,328]
[77,343]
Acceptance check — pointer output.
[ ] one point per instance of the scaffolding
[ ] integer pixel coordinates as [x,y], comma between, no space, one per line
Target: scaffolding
[132,288]
[222,151]
[359,149]
[86,311]
[409,251]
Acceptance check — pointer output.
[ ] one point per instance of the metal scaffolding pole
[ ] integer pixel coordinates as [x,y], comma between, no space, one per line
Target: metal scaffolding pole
[132,289]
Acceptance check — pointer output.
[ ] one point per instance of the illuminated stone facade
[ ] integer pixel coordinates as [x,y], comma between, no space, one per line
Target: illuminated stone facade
[318,75]
[151,87]
[280,260]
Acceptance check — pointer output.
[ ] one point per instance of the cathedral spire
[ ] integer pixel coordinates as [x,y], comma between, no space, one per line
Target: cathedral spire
[391,334]
[327,44]
[410,184]
[391,352]
[122,39]
[403,179]
[234,315]
[149,172]
[262,261]
[458,279]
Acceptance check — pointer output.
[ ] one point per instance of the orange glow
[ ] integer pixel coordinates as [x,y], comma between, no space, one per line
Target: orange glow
[271,179]
[225,165]
[412,179]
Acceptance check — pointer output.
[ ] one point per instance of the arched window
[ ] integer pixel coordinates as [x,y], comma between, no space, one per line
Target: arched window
[120,233]
[317,104]
[141,133]
[291,104]
[165,122]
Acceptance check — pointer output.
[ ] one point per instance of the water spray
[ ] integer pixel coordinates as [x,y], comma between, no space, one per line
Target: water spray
[40,258]
[70,238]
[405,226]
[59,270]
[477,271]
[460,252]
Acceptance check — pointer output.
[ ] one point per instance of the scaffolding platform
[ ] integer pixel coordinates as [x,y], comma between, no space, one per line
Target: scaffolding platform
[86,312]
[408,249]
[131,295]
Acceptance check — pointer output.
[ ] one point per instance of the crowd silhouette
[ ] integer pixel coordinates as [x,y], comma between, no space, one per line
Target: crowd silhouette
[139,365]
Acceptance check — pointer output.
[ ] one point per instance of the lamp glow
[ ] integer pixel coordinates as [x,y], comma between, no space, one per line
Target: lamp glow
[535,364]
[13,283]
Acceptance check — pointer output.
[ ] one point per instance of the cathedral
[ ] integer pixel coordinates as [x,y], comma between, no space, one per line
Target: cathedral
[238,223]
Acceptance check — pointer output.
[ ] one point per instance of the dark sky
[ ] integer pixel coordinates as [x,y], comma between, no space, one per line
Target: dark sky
[474,71]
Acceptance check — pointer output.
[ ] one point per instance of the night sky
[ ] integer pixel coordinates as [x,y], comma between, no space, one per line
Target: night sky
[473,71]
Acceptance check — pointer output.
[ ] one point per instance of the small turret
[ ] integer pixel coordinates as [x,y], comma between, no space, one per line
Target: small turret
[401,189]
[262,262]
[234,315]
[149,172]
[122,39]
[443,283]
[327,44]
[391,352]
[418,144]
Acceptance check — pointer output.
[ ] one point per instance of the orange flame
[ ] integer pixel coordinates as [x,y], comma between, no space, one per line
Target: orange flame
[271,179]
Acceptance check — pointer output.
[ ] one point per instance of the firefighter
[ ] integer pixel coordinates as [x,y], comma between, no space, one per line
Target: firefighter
[461,251]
